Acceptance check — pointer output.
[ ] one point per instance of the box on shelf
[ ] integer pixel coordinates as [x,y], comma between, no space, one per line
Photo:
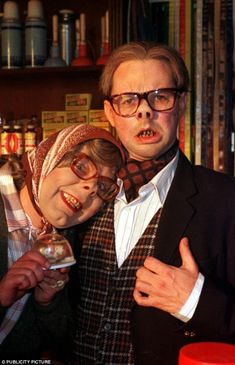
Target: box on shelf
[76,117]
[97,118]
[80,101]
[46,132]
[52,121]
[55,117]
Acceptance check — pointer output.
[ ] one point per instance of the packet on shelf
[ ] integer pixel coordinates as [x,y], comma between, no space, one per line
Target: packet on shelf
[98,119]
[76,117]
[52,121]
[80,101]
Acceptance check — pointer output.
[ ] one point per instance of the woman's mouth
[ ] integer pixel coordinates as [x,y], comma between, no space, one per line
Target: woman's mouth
[71,202]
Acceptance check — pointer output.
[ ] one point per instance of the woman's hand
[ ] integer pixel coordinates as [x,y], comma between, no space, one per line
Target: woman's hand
[53,282]
[25,273]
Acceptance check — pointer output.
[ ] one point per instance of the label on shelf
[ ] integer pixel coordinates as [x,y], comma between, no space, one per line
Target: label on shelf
[78,101]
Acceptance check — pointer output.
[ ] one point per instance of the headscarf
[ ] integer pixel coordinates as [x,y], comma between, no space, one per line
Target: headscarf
[46,156]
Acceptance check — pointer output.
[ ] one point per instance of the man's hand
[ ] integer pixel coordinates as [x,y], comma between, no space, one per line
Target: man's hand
[164,286]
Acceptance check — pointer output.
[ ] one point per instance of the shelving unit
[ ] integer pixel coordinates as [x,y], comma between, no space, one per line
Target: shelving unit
[28,91]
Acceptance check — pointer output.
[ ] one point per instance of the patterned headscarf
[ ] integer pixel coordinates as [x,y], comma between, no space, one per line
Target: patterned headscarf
[47,155]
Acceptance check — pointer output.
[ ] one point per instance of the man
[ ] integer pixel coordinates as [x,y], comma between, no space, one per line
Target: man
[155,269]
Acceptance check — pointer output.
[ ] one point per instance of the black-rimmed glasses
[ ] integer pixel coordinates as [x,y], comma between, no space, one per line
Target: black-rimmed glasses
[84,168]
[160,100]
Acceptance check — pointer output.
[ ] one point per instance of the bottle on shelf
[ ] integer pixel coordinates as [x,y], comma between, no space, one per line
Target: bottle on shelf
[2,121]
[67,35]
[17,139]
[37,127]
[11,36]
[35,35]
[30,138]
[6,136]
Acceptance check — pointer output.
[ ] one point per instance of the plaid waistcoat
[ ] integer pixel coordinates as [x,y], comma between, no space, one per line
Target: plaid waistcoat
[106,293]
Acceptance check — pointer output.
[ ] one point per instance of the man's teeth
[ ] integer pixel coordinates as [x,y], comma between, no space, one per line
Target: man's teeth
[72,201]
[147,133]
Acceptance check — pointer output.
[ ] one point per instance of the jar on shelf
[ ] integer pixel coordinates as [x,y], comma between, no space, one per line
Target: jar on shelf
[35,35]
[11,36]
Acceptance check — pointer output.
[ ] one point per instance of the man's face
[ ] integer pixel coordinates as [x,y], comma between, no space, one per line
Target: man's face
[148,133]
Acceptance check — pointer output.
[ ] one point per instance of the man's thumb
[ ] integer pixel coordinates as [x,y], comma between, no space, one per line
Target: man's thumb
[186,255]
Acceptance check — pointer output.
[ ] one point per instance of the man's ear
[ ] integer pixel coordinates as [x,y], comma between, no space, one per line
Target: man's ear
[109,112]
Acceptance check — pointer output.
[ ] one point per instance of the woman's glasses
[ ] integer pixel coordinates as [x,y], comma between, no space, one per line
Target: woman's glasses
[84,168]
[160,100]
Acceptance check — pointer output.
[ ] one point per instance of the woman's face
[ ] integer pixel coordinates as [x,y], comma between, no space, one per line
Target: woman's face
[66,200]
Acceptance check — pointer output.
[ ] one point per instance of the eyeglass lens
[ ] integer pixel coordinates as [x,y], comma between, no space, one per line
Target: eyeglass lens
[160,100]
[86,169]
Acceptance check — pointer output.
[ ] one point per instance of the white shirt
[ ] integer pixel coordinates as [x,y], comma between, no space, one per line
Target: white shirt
[132,219]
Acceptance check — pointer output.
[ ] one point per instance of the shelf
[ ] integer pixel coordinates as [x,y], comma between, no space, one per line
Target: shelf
[28,91]
[50,71]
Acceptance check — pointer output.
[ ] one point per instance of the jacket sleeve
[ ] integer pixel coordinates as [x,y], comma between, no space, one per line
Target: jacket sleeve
[55,320]
[214,316]
[40,328]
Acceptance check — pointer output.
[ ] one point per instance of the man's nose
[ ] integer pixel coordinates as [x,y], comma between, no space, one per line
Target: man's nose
[144,110]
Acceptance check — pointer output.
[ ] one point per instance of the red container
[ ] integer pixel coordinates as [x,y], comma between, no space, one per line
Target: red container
[207,353]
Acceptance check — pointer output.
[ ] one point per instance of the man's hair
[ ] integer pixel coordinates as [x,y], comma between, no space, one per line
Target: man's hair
[144,51]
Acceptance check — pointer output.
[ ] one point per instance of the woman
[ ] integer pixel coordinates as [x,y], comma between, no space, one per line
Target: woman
[62,183]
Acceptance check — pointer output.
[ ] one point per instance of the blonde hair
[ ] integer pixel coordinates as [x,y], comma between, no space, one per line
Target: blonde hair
[144,51]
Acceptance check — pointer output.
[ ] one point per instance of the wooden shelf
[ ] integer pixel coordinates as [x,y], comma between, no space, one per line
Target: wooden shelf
[45,71]
[24,92]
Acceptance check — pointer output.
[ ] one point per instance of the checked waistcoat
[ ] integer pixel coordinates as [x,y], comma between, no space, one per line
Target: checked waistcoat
[106,293]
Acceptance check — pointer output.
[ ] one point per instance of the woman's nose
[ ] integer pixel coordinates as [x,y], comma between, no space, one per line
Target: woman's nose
[90,186]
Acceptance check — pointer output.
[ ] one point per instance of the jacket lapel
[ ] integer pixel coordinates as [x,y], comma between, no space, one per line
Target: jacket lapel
[177,211]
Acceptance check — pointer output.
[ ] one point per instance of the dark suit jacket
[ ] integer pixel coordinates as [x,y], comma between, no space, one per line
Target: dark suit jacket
[201,206]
